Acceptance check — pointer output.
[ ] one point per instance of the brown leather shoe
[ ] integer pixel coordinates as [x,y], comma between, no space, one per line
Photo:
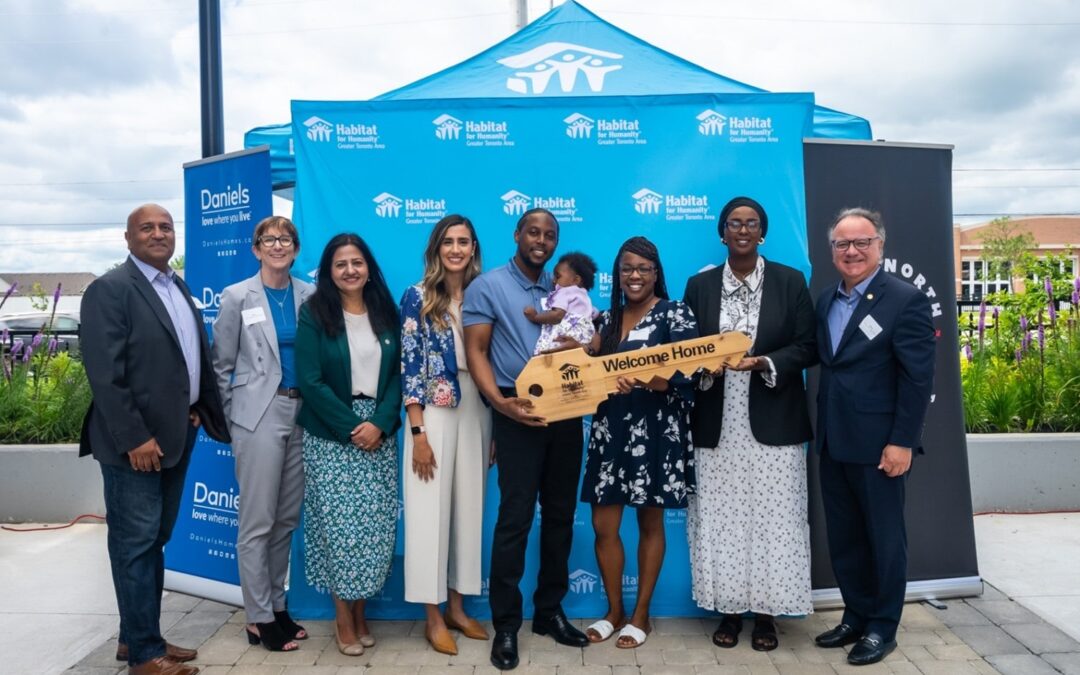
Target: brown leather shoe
[172,652]
[162,665]
[471,629]
[442,642]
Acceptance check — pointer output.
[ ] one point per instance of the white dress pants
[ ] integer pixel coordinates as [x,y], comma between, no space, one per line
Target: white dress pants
[444,516]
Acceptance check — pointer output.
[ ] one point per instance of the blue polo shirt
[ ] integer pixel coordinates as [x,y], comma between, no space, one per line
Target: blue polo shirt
[499,298]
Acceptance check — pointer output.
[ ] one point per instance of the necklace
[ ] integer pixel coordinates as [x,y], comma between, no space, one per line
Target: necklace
[280,303]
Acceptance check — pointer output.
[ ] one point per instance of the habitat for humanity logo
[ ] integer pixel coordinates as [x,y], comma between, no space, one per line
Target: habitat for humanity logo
[516,203]
[609,131]
[740,128]
[534,69]
[485,133]
[318,129]
[583,581]
[674,207]
[447,127]
[353,136]
[418,211]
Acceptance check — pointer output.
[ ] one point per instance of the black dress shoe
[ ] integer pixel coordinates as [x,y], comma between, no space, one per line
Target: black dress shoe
[558,627]
[840,636]
[504,650]
[871,648]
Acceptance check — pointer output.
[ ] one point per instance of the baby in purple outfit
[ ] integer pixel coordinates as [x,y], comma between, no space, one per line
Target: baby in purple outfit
[567,310]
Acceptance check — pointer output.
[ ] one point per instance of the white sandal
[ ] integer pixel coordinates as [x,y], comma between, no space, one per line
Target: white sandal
[634,633]
[603,628]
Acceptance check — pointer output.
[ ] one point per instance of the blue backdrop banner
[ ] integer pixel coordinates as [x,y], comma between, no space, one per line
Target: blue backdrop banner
[224,197]
[609,167]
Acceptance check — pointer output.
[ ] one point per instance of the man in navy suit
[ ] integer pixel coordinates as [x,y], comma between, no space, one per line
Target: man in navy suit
[876,344]
[148,362]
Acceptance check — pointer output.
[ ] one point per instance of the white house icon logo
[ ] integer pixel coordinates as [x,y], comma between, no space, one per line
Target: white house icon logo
[647,202]
[711,123]
[582,581]
[447,128]
[579,126]
[515,203]
[387,205]
[535,68]
[318,129]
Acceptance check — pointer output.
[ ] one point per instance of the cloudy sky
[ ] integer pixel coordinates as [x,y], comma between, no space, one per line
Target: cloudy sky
[99,99]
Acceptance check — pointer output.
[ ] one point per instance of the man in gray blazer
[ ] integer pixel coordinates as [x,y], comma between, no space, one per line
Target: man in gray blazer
[148,362]
[254,367]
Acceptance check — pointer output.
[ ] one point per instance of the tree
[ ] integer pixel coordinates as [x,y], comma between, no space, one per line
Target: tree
[177,263]
[1007,249]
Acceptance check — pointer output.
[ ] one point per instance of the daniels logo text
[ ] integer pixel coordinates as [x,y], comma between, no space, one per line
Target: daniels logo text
[674,352]
[228,206]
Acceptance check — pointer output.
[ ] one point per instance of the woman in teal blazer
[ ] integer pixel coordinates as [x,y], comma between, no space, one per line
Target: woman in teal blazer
[348,358]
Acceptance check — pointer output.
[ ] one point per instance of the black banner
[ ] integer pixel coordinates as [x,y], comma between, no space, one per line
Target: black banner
[911,186]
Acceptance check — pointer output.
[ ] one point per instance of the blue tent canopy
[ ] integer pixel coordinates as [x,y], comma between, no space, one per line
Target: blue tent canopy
[567,52]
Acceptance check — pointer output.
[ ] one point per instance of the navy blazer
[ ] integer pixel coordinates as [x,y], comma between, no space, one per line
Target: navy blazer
[874,392]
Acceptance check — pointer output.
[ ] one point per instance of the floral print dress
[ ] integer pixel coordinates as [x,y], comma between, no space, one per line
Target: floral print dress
[640,452]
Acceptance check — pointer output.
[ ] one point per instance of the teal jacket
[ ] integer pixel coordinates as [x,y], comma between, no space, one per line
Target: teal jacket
[324,376]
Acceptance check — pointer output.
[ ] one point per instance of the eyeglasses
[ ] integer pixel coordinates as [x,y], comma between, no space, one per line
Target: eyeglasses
[861,244]
[750,225]
[268,240]
[642,270]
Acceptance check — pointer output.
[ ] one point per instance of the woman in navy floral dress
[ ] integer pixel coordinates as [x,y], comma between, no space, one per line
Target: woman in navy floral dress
[640,454]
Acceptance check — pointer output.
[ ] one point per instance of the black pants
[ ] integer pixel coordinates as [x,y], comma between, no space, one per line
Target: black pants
[864,516]
[533,462]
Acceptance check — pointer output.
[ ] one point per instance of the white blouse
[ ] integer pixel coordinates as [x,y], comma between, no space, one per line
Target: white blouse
[365,354]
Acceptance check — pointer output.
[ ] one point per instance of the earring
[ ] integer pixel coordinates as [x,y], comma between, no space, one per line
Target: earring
[761,241]
[723,241]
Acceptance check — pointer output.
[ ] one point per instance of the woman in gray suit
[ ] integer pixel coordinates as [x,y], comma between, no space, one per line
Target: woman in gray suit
[255,365]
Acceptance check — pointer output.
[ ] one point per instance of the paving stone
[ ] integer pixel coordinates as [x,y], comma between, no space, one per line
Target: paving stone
[949,637]
[919,617]
[668,669]
[916,653]
[256,670]
[214,670]
[222,650]
[196,628]
[308,670]
[557,657]
[520,670]
[103,656]
[422,657]
[722,670]
[983,668]
[1069,664]
[987,640]
[783,655]
[918,637]
[952,652]
[212,606]
[297,657]
[348,670]
[472,653]
[805,669]
[446,670]
[879,668]
[381,656]
[91,670]
[763,669]
[658,642]
[1005,611]
[583,670]
[947,668]
[679,627]
[689,657]
[252,657]
[1041,637]
[1021,664]
[959,614]
[607,654]
[903,668]
[654,658]
[171,601]
[392,670]
[990,593]
[624,670]
[319,628]
[692,641]
[330,656]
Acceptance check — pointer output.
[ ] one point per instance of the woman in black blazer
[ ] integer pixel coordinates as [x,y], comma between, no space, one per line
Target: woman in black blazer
[746,524]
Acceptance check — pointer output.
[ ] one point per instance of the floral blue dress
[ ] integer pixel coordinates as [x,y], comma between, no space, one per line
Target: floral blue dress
[640,452]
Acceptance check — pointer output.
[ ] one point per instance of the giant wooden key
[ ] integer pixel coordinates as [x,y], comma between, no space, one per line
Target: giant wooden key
[571,383]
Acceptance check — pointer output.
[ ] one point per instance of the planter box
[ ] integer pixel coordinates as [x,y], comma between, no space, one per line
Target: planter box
[48,484]
[1024,472]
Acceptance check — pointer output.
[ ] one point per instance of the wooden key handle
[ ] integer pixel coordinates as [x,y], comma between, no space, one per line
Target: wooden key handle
[567,384]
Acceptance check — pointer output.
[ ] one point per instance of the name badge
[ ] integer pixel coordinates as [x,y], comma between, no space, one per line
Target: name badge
[641,334]
[869,327]
[253,315]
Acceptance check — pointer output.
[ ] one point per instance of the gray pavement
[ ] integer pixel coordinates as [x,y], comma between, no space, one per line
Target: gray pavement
[57,614]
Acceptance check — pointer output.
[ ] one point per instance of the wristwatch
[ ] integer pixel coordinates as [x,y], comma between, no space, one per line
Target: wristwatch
[416,431]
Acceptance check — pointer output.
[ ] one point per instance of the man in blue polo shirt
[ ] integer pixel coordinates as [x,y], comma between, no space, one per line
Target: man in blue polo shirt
[535,459]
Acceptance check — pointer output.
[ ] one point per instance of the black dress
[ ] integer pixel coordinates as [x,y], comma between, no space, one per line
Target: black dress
[640,452]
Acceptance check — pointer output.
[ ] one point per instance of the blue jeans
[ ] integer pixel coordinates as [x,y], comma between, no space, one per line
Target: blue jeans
[140,510]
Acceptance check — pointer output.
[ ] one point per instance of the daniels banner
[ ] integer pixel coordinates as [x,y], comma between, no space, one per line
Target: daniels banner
[224,197]
[609,168]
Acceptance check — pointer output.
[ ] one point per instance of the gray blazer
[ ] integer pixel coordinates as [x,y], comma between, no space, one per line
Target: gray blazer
[245,354]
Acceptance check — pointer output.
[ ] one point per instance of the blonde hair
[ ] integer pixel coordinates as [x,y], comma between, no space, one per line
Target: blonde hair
[436,302]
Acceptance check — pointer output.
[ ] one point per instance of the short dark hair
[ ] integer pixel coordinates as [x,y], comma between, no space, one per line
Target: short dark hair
[582,265]
[533,212]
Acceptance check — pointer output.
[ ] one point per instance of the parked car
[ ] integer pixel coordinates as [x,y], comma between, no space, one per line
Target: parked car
[24,325]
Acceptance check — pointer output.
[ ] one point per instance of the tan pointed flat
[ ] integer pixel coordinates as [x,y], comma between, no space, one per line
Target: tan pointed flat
[443,642]
[471,629]
[353,649]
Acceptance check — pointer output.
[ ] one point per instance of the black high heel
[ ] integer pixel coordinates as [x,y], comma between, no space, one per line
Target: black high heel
[270,636]
[289,626]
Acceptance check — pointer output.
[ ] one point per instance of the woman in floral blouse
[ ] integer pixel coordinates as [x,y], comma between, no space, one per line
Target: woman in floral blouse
[639,453]
[445,462]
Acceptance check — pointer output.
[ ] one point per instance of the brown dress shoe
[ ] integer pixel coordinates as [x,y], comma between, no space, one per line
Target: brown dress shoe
[172,652]
[442,642]
[471,628]
[162,665]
